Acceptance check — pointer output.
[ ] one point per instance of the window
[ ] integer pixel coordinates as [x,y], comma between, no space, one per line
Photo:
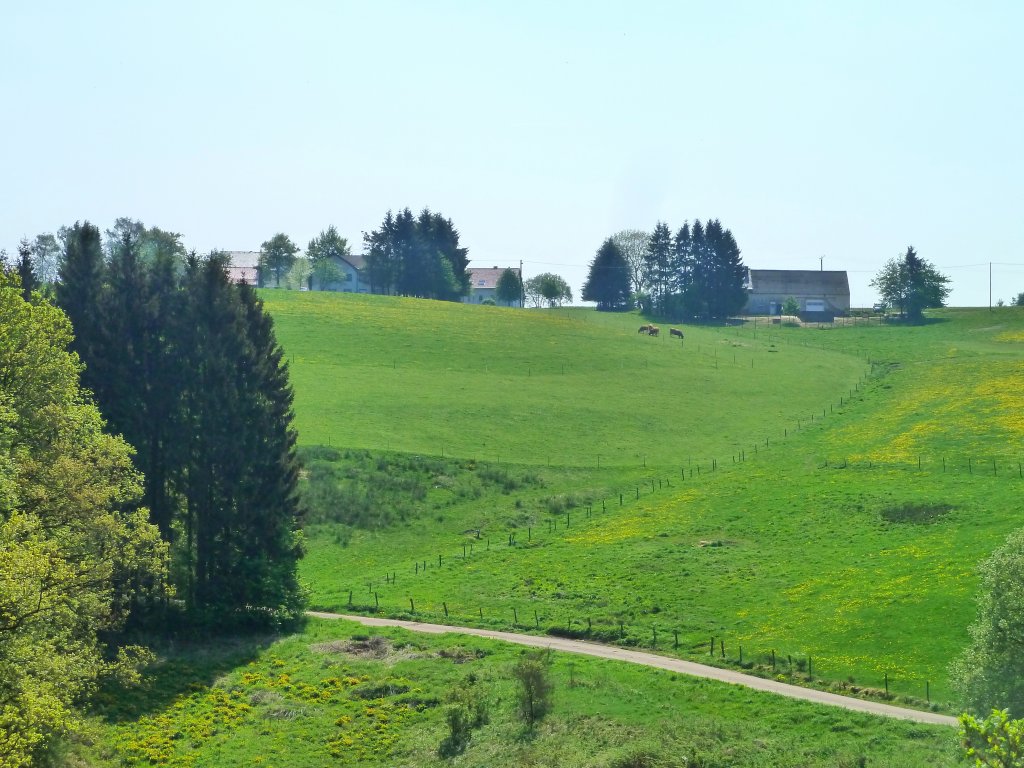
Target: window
[481,283]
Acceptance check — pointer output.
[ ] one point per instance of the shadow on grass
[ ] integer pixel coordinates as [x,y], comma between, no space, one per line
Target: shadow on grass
[181,667]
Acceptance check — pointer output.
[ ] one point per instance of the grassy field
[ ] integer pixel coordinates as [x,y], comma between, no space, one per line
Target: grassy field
[820,538]
[536,387]
[334,696]
[821,493]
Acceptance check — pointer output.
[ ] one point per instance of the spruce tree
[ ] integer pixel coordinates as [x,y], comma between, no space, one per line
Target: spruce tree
[79,293]
[26,272]
[608,282]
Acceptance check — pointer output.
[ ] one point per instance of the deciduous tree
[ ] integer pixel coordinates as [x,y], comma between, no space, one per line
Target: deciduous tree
[989,674]
[549,288]
[322,252]
[74,549]
[276,257]
[633,244]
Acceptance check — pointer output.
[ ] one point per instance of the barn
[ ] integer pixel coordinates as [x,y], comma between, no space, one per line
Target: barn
[821,295]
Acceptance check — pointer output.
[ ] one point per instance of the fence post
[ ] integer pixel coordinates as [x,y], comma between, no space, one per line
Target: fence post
[412,606]
[445,606]
[515,617]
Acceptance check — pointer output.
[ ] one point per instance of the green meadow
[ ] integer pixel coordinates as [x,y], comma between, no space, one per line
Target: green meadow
[859,474]
[335,695]
[813,500]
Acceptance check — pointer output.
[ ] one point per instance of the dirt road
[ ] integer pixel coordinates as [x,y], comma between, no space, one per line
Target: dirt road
[662,662]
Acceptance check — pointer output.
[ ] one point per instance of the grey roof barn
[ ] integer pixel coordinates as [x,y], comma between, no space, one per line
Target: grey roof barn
[820,294]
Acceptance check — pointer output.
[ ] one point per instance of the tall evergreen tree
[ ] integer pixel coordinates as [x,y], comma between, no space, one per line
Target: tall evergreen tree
[509,288]
[608,283]
[79,294]
[26,272]
[417,256]
[658,264]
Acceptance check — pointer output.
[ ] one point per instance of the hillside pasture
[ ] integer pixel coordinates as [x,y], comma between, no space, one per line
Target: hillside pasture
[536,387]
[791,546]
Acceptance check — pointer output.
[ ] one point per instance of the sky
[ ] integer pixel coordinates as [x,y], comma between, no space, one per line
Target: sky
[822,134]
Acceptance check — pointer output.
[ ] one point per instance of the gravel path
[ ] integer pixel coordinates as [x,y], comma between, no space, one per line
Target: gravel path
[662,662]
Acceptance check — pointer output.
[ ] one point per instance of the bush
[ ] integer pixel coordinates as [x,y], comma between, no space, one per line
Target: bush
[996,741]
[790,307]
[532,674]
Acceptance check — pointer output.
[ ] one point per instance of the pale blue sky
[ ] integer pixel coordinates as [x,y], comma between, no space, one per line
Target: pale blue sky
[843,130]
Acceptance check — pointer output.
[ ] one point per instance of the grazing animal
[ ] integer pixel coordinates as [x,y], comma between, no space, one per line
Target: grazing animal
[675,332]
[653,330]
[645,329]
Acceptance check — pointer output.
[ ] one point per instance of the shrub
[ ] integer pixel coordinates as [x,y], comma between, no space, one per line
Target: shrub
[532,674]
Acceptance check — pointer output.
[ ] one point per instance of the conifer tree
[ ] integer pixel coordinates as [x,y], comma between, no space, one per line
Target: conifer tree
[79,294]
[608,282]
[26,272]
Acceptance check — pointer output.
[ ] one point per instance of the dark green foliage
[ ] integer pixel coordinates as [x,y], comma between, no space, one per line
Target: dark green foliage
[418,257]
[912,285]
[509,288]
[697,275]
[79,294]
[185,365]
[1019,301]
[658,267]
[25,270]
[277,255]
[608,283]
[790,307]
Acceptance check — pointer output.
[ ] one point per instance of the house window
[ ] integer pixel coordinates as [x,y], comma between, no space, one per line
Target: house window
[481,283]
[348,277]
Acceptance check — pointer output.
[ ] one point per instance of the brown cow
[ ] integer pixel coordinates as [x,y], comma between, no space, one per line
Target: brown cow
[675,332]
[653,330]
[645,329]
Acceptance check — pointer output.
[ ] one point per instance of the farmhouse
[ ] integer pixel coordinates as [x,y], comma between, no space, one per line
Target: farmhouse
[351,278]
[821,294]
[243,267]
[482,284]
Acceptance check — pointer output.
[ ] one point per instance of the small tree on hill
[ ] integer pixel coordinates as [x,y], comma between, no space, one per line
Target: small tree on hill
[912,285]
[790,307]
[547,287]
[532,674]
[276,257]
[509,288]
[1019,301]
[322,252]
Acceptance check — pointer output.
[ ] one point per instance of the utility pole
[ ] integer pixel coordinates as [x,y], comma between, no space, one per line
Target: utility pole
[522,288]
[821,263]
[990,286]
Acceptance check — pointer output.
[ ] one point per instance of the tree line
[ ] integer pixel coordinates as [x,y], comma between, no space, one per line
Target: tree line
[184,364]
[694,274]
[150,473]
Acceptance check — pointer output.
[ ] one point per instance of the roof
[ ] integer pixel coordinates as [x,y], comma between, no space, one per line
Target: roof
[802,281]
[482,278]
[242,266]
